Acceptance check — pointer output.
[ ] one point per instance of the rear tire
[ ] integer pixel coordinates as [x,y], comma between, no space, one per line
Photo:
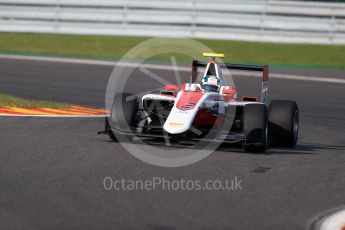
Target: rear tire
[283,123]
[255,127]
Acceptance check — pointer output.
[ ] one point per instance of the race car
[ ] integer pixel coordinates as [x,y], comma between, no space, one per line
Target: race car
[207,108]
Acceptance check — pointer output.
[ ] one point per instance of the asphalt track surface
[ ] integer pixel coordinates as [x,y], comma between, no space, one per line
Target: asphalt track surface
[52,169]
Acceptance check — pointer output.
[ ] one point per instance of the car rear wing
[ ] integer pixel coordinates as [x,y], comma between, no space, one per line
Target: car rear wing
[256,68]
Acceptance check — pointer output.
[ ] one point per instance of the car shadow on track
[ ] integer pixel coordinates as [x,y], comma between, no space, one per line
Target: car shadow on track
[303,148]
[298,149]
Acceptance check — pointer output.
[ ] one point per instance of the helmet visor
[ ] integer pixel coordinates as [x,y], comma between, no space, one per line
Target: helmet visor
[211,88]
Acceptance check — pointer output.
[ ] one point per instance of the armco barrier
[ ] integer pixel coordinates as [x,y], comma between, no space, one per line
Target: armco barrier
[259,20]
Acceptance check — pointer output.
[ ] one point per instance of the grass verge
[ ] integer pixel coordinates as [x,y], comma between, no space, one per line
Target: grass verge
[7,101]
[111,47]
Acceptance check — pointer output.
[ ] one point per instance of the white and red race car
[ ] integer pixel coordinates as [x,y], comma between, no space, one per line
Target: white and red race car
[207,109]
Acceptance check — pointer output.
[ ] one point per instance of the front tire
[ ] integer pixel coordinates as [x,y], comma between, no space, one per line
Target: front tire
[283,123]
[109,131]
[255,127]
[123,111]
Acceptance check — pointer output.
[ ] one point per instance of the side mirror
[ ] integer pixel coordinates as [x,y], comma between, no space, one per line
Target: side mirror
[246,98]
[171,88]
[229,91]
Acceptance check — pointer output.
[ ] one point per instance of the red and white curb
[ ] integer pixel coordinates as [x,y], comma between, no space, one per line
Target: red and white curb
[72,111]
[52,116]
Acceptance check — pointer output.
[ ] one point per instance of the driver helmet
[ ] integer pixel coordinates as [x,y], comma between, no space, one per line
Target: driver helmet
[210,83]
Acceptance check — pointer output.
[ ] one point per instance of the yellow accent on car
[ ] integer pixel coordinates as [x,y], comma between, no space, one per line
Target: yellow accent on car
[175,124]
[213,55]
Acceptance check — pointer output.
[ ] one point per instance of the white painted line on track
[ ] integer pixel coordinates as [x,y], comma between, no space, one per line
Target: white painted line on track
[53,116]
[91,62]
[57,59]
[334,222]
[159,67]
